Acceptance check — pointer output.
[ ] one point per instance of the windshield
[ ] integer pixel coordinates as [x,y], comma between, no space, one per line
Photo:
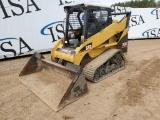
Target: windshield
[96,21]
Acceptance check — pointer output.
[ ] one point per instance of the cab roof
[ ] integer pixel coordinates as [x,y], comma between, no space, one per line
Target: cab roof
[84,5]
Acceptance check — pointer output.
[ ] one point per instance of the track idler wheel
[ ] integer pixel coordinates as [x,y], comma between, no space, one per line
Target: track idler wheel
[122,63]
[113,67]
[97,75]
[108,68]
[102,70]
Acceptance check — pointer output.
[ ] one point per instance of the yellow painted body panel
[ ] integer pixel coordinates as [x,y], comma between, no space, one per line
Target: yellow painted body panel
[97,51]
[98,43]
[124,33]
[59,44]
[64,56]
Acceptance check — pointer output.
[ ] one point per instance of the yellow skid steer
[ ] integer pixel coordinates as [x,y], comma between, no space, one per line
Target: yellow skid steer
[92,49]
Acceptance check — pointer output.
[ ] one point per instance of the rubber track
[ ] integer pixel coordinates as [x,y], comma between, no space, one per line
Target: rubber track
[91,67]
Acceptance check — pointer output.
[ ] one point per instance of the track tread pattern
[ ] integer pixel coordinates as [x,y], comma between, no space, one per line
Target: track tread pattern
[90,68]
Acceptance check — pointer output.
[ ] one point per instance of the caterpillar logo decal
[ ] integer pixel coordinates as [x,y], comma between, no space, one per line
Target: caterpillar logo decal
[87,47]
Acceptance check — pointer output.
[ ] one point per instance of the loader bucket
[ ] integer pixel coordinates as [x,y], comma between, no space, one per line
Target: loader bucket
[53,83]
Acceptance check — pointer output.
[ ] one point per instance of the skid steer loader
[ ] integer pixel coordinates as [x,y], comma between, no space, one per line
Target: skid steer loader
[92,49]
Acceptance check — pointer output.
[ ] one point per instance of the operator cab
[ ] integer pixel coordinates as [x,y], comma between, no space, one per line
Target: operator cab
[84,20]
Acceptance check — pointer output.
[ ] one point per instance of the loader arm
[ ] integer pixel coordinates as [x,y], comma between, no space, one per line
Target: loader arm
[102,41]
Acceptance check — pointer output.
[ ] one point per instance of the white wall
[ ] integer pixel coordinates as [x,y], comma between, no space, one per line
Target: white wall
[144,23]
[27,26]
